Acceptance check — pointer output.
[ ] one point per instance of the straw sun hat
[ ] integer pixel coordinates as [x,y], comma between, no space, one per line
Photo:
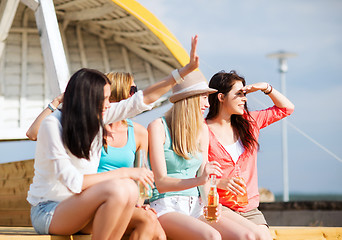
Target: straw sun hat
[194,83]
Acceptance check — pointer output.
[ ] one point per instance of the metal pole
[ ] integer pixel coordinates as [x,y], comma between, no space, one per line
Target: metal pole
[282,56]
[282,70]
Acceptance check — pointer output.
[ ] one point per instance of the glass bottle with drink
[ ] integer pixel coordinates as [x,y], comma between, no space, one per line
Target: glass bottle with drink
[213,201]
[233,200]
[142,162]
[242,200]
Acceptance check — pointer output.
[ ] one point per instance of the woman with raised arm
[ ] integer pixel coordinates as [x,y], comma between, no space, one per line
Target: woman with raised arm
[233,137]
[178,150]
[67,195]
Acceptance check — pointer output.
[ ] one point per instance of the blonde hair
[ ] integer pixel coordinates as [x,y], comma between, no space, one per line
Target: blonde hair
[185,121]
[120,85]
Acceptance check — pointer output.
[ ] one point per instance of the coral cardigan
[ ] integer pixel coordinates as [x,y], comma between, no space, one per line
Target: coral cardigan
[246,165]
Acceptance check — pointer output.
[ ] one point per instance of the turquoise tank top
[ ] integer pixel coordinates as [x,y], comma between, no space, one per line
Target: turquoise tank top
[178,167]
[119,157]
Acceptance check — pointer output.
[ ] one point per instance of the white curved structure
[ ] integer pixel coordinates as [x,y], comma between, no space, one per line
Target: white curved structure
[36,62]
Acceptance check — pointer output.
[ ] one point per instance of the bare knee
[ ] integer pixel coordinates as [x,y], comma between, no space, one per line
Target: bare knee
[160,234]
[131,188]
[119,192]
[211,234]
[245,234]
[263,233]
[148,220]
[249,236]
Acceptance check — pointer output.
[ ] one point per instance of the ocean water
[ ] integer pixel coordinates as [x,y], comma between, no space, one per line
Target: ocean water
[310,197]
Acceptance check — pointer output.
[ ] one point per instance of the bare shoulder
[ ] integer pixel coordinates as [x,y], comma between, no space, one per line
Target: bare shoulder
[204,135]
[155,124]
[139,129]
[204,130]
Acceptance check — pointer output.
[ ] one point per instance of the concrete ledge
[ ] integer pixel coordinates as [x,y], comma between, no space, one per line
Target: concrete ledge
[304,213]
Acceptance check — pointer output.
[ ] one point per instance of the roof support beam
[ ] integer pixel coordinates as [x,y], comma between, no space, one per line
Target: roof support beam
[69,4]
[24,64]
[8,9]
[84,62]
[144,55]
[52,47]
[33,4]
[89,13]
[126,59]
[110,23]
[104,55]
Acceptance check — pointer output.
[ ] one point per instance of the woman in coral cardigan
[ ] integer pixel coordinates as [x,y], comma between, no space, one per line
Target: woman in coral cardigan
[233,134]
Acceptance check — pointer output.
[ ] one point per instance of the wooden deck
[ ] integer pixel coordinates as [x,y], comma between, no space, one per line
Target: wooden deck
[28,233]
[16,177]
[278,233]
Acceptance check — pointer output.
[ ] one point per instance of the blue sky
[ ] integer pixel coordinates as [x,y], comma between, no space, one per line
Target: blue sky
[238,35]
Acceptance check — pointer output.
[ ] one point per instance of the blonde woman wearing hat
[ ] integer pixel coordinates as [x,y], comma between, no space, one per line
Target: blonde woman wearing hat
[178,150]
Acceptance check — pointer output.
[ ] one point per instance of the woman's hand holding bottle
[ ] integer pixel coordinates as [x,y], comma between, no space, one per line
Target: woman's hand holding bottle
[234,185]
[210,169]
[237,191]
[142,175]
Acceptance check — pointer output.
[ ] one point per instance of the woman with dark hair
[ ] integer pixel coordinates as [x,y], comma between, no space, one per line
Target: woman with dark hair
[67,194]
[233,137]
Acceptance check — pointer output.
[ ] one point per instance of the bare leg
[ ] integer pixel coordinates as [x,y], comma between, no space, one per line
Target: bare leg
[179,226]
[261,232]
[142,224]
[229,229]
[159,233]
[108,204]
[126,214]
[265,233]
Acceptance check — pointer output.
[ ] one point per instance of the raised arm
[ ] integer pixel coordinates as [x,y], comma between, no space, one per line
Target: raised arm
[155,91]
[32,132]
[278,99]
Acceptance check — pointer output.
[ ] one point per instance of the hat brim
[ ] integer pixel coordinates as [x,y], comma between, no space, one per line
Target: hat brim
[179,96]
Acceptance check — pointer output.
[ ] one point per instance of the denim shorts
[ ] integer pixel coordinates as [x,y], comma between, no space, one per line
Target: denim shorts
[41,216]
[191,206]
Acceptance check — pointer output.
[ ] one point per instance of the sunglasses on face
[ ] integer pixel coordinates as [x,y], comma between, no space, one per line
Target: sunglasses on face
[133,90]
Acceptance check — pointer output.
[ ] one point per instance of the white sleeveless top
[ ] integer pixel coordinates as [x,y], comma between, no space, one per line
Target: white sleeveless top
[235,150]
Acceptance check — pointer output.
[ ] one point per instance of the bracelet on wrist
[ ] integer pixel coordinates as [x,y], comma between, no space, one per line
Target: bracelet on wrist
[269,89]
[266,89]
[178,78]
[51,107]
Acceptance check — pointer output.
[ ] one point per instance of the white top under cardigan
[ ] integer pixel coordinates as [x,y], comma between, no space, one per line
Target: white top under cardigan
[58,174]
[235,150]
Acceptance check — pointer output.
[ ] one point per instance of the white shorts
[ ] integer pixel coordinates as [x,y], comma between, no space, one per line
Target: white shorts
[191,206]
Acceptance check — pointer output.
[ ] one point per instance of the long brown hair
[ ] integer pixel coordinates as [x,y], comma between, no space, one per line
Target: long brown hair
[82,111]
[242,124]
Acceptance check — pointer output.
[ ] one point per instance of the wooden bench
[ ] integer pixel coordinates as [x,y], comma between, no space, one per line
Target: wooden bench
[278,233]
[16,177]
[306,233]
